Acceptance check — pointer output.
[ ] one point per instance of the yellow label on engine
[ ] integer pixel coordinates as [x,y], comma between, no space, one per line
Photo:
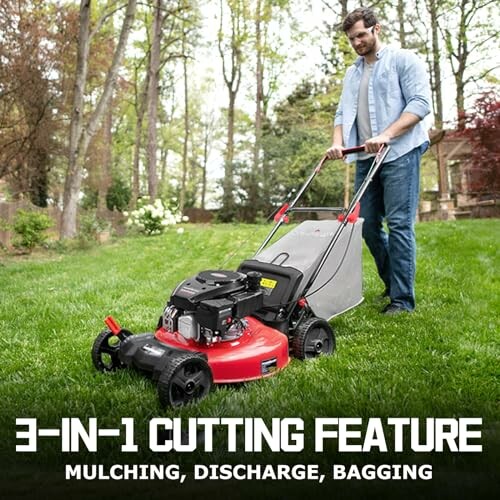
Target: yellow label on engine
[268,283]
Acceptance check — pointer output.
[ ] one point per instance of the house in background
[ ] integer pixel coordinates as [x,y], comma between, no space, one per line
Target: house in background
[465,189]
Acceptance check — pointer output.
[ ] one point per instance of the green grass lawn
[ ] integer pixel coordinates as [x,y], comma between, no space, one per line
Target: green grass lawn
[441,361]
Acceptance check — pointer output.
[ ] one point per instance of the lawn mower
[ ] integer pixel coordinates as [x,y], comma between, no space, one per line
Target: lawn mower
[225,326]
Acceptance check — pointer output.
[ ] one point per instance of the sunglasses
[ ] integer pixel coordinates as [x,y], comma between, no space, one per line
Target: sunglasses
[361,34]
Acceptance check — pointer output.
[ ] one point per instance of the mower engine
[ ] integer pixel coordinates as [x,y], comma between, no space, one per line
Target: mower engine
[210,307]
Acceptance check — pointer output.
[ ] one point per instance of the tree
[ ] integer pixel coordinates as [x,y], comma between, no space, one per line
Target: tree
[205,132]
[189,26]
[185,143]
[481,129]
[152,98]
[81,133]
[232,56]
[99,162]
[259,98]
[32,51]
[468,39]
[295,142]
[99,159]
[268,62]
[140,101]
[433,10]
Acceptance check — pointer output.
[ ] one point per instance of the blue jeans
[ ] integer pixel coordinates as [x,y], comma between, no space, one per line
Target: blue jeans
[393,195]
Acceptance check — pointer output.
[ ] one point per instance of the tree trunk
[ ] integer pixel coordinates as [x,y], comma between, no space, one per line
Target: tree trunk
[344,10]
[470,29]
[182,194]
[232,78]
[104,175]
[80,136]
[153,97]
[204,171]
[436,67]
[401,23]
[253,204]
[163,170]
[228,201]
[140,111]
[460,100]
[463,54]
[73,177]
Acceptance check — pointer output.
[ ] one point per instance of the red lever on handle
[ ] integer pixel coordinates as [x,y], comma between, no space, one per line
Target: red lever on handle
[281,212]
[353,216]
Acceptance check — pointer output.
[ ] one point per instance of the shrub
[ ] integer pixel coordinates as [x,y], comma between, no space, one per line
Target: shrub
[153,219]
[30,227]
[90,225]
[119,194]
[117,197]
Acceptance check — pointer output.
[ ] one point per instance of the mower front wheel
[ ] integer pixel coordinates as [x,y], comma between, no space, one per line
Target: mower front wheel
[314,337]
[105,350]
[186,378]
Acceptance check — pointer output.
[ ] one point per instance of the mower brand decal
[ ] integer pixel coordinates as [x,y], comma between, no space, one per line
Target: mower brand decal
[268,283]
[269,366]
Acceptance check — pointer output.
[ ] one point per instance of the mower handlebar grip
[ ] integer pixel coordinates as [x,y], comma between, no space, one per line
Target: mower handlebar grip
[356,149]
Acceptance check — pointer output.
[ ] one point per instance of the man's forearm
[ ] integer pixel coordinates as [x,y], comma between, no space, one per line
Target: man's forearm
[404,123]
[335,151]
[337,135]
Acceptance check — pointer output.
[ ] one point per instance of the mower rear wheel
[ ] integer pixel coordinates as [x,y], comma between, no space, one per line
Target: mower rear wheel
[105,350]
[186,378]
[314,337]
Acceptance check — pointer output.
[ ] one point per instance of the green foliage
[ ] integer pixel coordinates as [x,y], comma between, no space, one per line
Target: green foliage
[29,228]
[298,139]
[89,199]
[90,225]
[118,197]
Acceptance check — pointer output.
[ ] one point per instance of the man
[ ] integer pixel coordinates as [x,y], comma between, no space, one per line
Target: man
[385,96]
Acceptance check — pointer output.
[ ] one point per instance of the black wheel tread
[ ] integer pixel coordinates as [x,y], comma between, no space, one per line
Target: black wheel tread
[302,332]
[101,346]
[166,376]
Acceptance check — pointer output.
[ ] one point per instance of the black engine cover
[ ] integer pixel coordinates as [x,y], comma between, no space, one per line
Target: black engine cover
[205,286]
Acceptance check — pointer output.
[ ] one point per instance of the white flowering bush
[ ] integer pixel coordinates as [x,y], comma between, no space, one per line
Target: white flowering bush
[153,218]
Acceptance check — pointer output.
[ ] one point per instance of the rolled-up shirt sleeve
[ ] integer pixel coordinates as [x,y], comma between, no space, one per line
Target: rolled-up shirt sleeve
[338,113]
[414,81]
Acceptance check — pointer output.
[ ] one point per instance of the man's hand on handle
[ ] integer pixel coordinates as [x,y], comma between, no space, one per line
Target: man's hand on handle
[335,152]
[374,144]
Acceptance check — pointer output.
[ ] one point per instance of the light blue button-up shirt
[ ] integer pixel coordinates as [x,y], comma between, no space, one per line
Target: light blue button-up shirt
[399,83]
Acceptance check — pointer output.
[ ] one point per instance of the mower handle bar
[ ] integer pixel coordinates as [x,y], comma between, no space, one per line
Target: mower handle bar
[345,151]
[281,216]
[355,149]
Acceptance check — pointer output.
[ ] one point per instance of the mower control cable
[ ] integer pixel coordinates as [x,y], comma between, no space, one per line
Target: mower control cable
[377,162]
[281,215]
[330,278]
